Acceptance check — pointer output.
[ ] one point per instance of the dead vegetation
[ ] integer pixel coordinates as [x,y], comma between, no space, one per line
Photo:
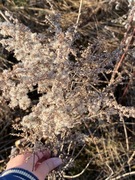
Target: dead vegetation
[67,75]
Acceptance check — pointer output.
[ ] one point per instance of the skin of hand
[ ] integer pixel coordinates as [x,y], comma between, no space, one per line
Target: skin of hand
[39,163]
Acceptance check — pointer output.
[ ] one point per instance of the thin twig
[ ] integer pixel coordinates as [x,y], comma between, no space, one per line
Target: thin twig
[31,8]
[5,126]
[1,13]
[126,136]
[79,12]
[93,140]
[51,6]
[121,59]
[108,178]
[77,175]
[131,157]
[73,159]
[127,46]
[5,149]
[124,175]
[125,131]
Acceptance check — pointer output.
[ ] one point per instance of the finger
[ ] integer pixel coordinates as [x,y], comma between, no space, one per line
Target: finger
[46,155]
[28,160]
[36,156]
[48,166]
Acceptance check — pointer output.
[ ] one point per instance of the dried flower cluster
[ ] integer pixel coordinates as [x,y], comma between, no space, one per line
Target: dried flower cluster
[67,87]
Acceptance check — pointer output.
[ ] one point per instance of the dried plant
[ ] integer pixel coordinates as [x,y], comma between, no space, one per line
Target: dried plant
[75,88]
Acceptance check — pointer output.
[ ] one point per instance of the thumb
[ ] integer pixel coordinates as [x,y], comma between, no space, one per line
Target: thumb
[48,165]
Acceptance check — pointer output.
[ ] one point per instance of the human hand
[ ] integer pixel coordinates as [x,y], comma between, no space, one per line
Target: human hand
[39,163]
